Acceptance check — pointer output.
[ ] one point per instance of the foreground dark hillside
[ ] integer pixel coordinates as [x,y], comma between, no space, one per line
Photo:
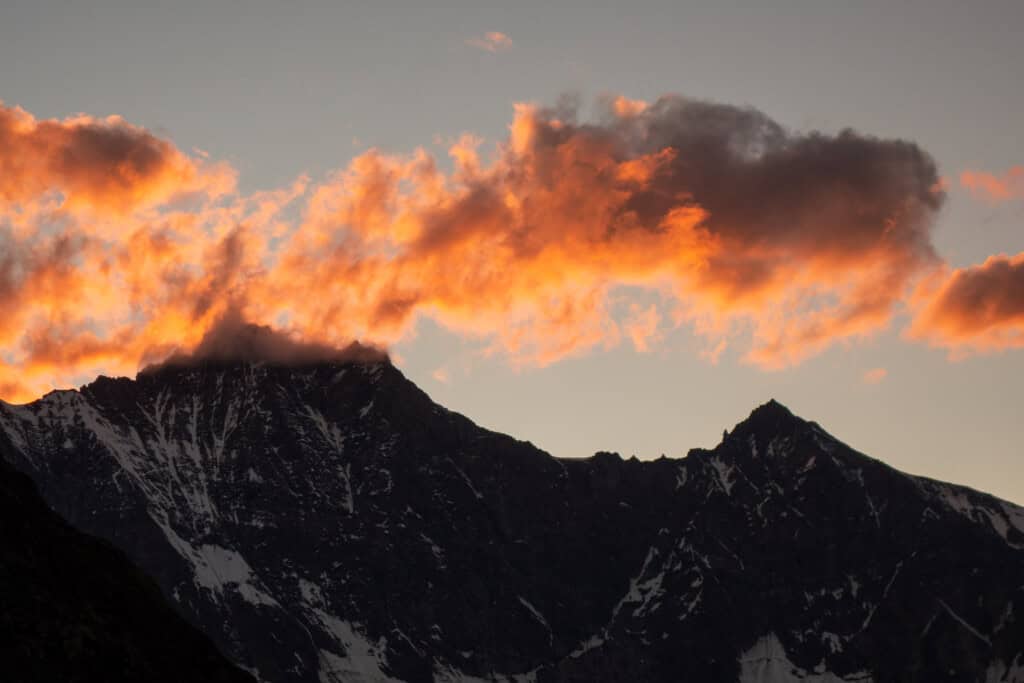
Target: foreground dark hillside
[72,608]
[331,523]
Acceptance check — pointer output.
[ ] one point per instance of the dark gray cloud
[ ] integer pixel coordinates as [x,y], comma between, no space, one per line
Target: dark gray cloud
[234,340]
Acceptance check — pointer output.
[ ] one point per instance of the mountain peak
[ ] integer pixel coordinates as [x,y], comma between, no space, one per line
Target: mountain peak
[353,355]
[769,419]
[772,407]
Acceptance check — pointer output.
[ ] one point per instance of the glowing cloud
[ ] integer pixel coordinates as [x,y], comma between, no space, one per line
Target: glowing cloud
[104,164]
[492,41]
[796,241]
[1009,185]
[118,250]
[875,376]
[642,327]
[974,310]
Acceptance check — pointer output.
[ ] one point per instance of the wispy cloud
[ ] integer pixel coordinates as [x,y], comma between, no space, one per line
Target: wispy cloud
[641,326]
[976,309]
[492,41]
[875,375]
[995,187]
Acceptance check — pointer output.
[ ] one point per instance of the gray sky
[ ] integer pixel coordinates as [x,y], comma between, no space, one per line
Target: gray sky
[286,88]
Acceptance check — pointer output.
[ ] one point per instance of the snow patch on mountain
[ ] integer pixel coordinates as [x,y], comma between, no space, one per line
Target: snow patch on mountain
[724,474]
[445,673]
[362,661]
[767,662]
[681,476]
[216,568]
[1001,672]
[14,420]
[644,589]
[538,617]
[963,622]
[1001,516]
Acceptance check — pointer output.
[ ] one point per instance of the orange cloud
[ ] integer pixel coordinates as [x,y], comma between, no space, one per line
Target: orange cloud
[642,327]
[973,310]
[116,249]
[1009,185]
[797,241]
[875,375]
[625,107]
[492,41]
[103,164]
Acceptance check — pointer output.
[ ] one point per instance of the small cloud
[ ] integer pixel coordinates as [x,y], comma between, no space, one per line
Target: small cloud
[995,188]
[713,354]
[875,375]
[626,108]
[642,327]
[441,375]
[977,309]
[492,41]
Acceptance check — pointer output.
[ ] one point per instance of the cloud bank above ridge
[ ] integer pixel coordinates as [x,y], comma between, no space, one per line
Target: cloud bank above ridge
[118,249]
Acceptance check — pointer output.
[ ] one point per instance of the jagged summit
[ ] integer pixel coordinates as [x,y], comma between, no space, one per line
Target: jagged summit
[771,409]
[320,371]
[329,522]
[183,374]
[769,419]
[771,430]
[354,353]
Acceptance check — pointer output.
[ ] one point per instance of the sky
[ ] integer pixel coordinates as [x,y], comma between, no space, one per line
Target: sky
[594,226]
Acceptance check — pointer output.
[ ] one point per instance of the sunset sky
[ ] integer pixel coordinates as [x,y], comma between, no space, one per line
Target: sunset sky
[589,226]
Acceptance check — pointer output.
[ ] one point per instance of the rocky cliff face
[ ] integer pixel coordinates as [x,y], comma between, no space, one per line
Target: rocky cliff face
[330,522]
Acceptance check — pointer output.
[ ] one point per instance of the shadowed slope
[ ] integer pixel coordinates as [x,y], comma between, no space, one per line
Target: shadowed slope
[72,608]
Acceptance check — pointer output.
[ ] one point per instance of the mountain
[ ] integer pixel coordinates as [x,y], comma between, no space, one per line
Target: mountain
[73,608]
[329,522]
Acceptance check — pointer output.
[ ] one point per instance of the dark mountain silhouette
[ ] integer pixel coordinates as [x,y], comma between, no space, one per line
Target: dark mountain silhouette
[329,522]
[73,608]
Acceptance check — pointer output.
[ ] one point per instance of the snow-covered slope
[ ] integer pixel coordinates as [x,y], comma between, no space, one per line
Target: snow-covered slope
[331,523]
